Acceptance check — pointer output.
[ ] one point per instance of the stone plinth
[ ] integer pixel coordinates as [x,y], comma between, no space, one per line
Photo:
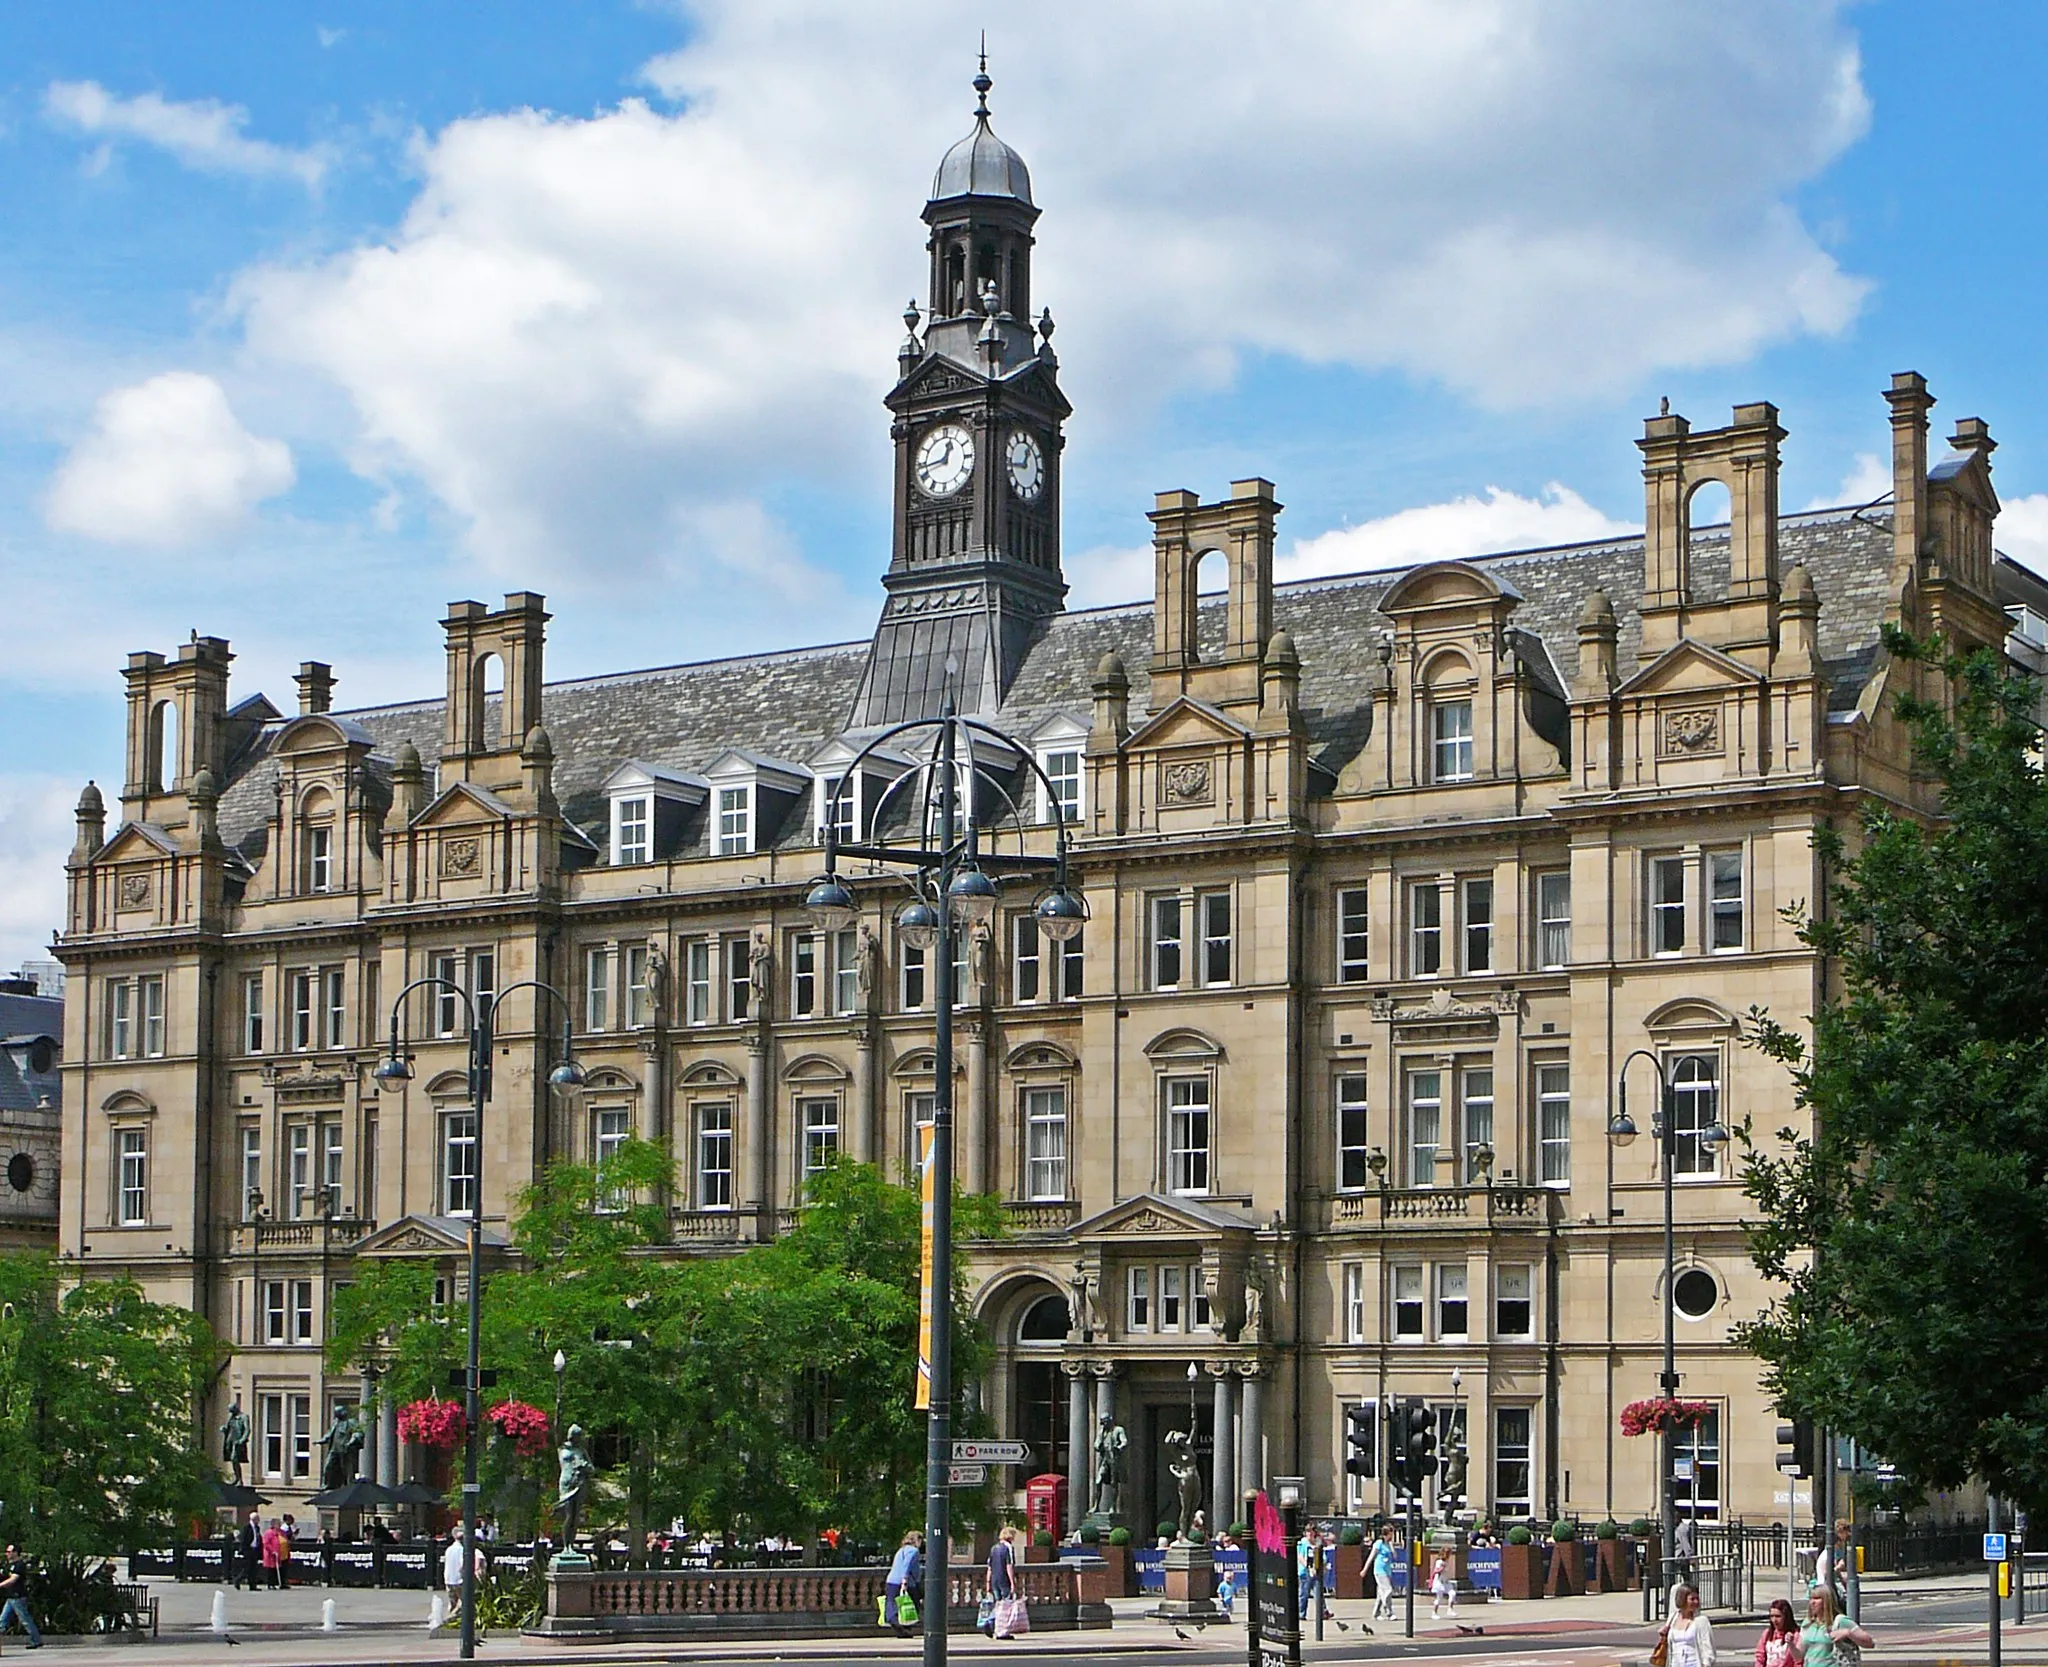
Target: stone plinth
[1190,1585]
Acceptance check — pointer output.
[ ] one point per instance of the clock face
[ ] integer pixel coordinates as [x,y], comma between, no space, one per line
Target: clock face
[945,459]
[1027,465]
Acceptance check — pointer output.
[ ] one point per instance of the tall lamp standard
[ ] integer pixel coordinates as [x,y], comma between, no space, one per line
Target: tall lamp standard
[954,884]
[395,1068]
[1664,1126]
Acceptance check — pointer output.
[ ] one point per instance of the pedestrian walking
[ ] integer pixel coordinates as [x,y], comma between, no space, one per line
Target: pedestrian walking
[1688,1636]
[1383,1575]
[1443,1592]
[1308,1570]
[1682,1552]
[249,1553]
[286,1531]
[1779,1646]
[273,1541]
[14,1587]
[456,1567]
[906,1580]
[1831,1567]
[1008,1615]
[1829,1638]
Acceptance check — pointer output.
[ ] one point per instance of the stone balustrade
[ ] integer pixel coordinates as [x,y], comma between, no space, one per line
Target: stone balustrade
[1505,1203]
[659,1604]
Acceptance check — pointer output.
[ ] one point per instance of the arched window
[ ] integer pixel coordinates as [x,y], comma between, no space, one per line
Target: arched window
[318,867]
[1045,1321]
[486,683]
[1208,597]
[1707,505]
[161,765]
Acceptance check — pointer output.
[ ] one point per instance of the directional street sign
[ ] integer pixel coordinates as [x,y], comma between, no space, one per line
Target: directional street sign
[966,1475]
[991,1452]
[1994,1548]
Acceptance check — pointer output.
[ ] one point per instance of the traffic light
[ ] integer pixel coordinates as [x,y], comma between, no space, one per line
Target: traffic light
[1418,1442]
[1358,1441]
[1796,1447]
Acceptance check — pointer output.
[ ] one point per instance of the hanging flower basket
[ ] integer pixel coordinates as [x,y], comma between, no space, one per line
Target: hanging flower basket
[522,1424]
[435,1423]
[1657,1415]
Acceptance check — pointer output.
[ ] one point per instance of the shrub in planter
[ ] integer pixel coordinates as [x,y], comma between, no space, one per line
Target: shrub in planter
[1521,1566]
[1119,1536]
[1518,1535]
[1351,1535]
[1238,1531]
[1090,1534]
[1610,1560]
[1167,1529]
[1608,1530]
[1564,1531]
[1639,1529]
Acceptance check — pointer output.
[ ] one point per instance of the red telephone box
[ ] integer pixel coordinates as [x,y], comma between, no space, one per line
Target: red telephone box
[1045,1503]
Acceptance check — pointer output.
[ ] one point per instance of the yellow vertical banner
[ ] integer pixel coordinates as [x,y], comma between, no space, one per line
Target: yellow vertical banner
[925,1191]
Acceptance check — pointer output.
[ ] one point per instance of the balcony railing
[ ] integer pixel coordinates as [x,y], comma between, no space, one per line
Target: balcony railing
[1501,1204]
[706,1226]
[339,1231]
[1041,1216]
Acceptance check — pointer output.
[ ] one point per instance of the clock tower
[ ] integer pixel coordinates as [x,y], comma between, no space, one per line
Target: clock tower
[974,563]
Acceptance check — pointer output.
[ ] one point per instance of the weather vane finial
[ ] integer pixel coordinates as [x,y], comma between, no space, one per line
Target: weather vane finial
[981,81]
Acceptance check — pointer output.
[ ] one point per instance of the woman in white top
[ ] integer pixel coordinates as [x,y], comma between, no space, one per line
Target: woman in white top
[1688,1635]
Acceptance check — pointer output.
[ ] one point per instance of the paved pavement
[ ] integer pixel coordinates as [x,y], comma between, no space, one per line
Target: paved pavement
[1918,1624]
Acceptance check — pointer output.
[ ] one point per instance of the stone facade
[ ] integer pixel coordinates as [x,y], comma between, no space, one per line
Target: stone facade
[1387,876]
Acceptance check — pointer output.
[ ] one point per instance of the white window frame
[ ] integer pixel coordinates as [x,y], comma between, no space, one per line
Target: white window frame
[1046,1143]
[460,1180]
[273,1435]
[1426,928]
[1172,1298]
[444,998]
[1701,1443]
[298,1169]
[807,975]
[1354,935]
[332,1161]
[1695,1107]
[1166,926]
[1514,1451]
[1514,1283]
[1554,1123]
[1138,1299]
[252,1164]
[1726,902]
[818,1129]
[274,1318]
[843,949]
[1354,1132]
[699,1007]
[1213,914]
[302,1435]
[1451,745]
[636,993]
[320,856]
[1353,1300]
[1065,767]
[847,809]
[1407,1298]
[1554,919]
[252,1012]
[1453,1291]
[1476,1089]
[302,1311]
[611,1126]
[632,829]
[733,831]
[1425,1110]
[714,1165]
[131,1175]
[120,1018]
[739,979]
[1188,1105]
[149,1002]
[1475,897]
[1668,935]
[333,1007]
[597,988]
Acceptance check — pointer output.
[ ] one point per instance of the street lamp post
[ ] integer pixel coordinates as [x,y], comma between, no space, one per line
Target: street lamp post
[396,1068]
[1664,1127]
[955,884]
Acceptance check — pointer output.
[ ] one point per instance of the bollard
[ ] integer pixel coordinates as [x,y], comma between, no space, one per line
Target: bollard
[327,1620]
[437,1616]
[220,1613]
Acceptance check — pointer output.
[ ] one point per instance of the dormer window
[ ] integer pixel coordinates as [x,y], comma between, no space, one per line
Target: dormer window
[840,807]
[320,859]
[1061,802]
[735,821]
[1450,726]
[650,808]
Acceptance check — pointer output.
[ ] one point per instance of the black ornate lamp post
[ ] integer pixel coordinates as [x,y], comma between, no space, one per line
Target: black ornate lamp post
[396,1068]
[955,883]
[1664,1126]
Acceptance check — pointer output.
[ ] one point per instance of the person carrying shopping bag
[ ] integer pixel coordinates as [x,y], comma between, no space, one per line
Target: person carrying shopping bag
[1008,1614]
[903,1591]
[1830,1638]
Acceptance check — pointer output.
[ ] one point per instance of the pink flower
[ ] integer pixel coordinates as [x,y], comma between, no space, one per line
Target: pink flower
[1661,1413]
[432,1423]
[522,1424]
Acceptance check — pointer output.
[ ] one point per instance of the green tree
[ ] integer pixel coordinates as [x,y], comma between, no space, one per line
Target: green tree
[98,1389]
[1907,1228]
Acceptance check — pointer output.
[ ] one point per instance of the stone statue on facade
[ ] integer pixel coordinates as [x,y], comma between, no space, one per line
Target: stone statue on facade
[1187,1478]
[1080,1307]
[234,1439]
[864,969]
[1254,1308]
[657,983]
[757,971]
[1110,1442]
[344,1442]
[574,1481]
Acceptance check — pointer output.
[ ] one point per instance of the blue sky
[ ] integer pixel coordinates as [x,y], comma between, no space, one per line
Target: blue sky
[313,318]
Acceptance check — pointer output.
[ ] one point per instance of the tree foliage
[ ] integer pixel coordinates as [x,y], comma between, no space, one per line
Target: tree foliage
[767,1390]
[98,1385]
[1907,1228]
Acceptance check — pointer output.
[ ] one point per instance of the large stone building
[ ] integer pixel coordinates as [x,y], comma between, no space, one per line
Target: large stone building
[1387,874]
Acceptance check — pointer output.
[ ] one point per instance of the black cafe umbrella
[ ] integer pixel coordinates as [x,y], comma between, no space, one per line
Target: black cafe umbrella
[358,1495]
[416,1493]
[238,1494]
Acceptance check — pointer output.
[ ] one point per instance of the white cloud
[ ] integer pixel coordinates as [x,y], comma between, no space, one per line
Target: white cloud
[1867,481]
[35,836]
[592,338]
[201,133]
[2022,531]
[166,463]
[1467,526]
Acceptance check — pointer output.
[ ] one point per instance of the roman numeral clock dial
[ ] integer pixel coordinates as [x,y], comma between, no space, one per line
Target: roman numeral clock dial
[1027,465]
[944,461]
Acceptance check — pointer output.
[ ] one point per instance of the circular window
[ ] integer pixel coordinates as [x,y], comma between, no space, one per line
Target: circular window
[21,1172]
[1696,1291]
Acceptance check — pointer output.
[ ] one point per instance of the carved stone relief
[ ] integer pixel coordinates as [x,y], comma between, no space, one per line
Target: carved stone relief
[462,858]
[1692,732]
[1188,782]
[134,891]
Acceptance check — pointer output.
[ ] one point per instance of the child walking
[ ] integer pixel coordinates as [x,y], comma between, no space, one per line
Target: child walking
[1443,1596]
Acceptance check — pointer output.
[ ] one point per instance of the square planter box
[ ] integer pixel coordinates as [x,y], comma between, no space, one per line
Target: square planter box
[1118,1557]
[1350,1571]
[1610,1566]
[1521,1571]
[1567,1577]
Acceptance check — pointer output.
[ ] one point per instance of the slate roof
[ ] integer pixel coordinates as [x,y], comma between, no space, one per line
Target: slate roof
[788,705]
[24,1022]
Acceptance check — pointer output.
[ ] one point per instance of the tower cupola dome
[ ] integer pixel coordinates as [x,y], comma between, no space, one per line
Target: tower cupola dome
[981,165]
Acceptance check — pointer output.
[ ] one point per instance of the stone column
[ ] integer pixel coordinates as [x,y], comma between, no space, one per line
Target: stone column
[1223,1498]
[387,1442]
[1105,1407]
[1251,1458]
[864,1095]
[759,1137]
[1080,1445]
[979,1177]
[366,1459]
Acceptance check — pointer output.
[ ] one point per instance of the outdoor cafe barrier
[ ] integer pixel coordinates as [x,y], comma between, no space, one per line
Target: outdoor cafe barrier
[669,1604]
